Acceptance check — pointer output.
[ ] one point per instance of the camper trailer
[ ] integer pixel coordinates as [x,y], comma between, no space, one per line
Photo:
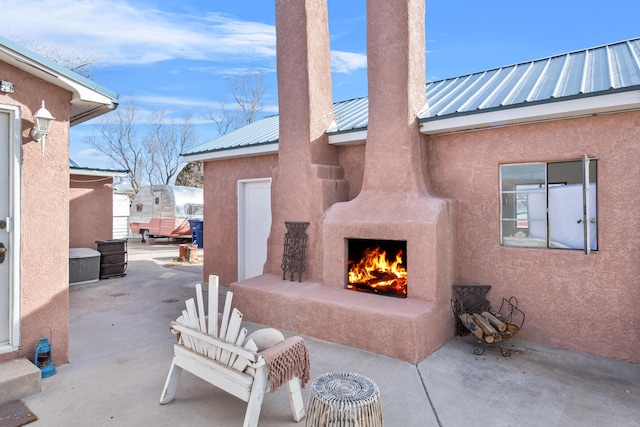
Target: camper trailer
[165,211]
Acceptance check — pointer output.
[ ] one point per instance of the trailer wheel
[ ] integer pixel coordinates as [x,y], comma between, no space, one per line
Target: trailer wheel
[145,235]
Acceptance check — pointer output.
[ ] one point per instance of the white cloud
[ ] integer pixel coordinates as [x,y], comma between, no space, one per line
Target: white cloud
[121,32]
[345,62]
[233,71]
[91,158]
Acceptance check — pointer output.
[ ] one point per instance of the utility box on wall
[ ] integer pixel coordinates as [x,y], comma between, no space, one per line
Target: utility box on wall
[113,257]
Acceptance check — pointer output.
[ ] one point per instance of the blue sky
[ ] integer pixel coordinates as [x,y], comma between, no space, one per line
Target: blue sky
[178,55]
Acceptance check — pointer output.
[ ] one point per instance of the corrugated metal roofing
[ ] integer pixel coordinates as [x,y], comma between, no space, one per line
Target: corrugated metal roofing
[352,114]
[263,131]
[594,71]
[57,68]
[588,72]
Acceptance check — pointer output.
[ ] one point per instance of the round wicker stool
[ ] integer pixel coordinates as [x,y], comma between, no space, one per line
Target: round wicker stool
[344,399]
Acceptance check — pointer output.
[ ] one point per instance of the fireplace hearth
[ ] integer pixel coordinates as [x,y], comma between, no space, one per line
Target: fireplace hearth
[377,267]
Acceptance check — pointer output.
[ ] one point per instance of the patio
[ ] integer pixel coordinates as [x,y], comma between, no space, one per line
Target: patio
[121,348]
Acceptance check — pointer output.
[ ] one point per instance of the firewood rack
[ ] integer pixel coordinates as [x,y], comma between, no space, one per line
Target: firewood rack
[509,314]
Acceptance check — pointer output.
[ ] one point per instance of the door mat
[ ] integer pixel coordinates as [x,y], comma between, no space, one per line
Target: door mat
[15,414]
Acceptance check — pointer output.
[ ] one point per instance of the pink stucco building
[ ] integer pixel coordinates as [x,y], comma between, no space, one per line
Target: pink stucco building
[34,197]
[91,205]
[477,176]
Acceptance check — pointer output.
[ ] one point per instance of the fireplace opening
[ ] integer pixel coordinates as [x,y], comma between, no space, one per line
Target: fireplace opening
[377,266]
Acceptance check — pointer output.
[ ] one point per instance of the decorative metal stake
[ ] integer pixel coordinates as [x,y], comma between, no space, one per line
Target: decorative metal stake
[295,249]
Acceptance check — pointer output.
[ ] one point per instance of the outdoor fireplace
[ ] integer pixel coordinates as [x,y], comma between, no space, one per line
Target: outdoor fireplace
[377,267]
[382,193]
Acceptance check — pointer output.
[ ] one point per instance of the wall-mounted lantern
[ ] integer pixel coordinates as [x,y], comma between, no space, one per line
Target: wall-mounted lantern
[42,121]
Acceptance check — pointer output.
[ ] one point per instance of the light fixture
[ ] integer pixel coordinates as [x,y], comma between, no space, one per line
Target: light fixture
[42,121]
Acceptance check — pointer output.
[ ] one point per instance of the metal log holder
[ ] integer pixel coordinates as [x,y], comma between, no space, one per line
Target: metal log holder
[471,300]
[295,249]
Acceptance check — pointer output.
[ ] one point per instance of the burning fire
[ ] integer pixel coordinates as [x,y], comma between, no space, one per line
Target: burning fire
[374,273]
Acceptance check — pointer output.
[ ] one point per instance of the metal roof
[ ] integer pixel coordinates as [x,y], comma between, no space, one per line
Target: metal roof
[260,132]
[352,114]
[594,71]
[90,99]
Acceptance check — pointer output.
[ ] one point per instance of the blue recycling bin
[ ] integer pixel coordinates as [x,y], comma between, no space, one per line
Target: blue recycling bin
[196,231]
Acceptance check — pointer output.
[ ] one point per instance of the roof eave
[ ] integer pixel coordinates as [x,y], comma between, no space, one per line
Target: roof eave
[540,112]
[86,102]
[352,137]
[230,153]
[98,172]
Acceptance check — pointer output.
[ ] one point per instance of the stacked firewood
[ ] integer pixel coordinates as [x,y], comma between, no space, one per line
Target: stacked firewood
[485,326]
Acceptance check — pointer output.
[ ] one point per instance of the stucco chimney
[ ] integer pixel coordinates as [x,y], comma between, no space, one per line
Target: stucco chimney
[397,83]
[307,179]
[394,202]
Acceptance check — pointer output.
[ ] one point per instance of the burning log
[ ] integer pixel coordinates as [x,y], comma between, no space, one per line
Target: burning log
[500,325]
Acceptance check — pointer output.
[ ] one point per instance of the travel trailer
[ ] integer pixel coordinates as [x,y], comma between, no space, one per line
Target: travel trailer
[165,211]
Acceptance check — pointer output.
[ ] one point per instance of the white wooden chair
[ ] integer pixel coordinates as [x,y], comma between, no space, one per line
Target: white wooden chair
[216,355]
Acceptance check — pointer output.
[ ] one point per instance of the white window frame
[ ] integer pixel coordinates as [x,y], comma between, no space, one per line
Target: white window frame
[509,211]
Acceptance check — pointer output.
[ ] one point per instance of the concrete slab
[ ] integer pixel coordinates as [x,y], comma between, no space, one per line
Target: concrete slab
[121,349]
[19,378]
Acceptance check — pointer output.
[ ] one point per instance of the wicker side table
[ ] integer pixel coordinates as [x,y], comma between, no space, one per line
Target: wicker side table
[344,399]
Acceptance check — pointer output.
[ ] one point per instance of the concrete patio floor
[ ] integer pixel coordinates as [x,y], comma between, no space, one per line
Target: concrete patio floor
[121,348]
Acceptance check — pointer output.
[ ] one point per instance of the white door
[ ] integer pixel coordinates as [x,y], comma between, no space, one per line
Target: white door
[9,222]
[254,225]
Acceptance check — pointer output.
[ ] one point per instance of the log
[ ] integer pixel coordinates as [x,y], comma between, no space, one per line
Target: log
[486,327]
[500,325]
[467,321]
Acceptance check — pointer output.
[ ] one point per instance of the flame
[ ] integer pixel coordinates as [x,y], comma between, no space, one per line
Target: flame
[377,272]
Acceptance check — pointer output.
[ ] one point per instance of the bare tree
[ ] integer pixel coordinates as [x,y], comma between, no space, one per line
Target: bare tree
[74,61]
[153,158]
[80,63]
[119,141]
[247,90]
[166,140]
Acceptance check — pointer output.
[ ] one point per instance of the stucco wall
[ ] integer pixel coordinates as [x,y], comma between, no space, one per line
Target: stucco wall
[90,210]
[582,302]
[220,227]
[45,216]
[351,158]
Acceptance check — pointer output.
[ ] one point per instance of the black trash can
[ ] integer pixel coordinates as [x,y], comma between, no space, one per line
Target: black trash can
[113,257]
[197,231]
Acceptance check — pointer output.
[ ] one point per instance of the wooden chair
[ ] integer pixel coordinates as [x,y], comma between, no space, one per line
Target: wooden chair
[217,355]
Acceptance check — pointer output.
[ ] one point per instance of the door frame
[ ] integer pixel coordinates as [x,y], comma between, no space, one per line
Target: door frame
[242,187]
[13,256]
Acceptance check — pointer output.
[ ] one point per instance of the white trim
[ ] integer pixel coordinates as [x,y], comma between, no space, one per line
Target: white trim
[90,172]
[86,103]
[580,107]
[14,224]
[233,153]
[348,138]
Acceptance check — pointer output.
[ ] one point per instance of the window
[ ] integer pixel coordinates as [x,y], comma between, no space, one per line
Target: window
[194,210]
[550,205]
